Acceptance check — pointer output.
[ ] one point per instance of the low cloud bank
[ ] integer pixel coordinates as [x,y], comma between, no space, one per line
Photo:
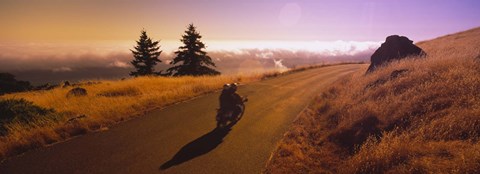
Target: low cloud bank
[257,60]
[55,59]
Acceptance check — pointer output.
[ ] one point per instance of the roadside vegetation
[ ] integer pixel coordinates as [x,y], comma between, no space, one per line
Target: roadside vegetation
[412,116]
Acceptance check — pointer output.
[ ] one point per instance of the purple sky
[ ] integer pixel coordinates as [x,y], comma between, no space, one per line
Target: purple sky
[304,20]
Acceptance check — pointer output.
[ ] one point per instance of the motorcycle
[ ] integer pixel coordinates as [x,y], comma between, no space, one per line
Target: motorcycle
[225,116]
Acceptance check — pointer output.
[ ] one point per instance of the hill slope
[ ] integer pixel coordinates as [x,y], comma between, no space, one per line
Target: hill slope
[415,115]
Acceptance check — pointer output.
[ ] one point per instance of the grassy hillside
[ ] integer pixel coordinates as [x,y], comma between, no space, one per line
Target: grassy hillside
[412,116]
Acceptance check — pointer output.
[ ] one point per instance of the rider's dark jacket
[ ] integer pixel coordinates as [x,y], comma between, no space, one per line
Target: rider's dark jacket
[229,99]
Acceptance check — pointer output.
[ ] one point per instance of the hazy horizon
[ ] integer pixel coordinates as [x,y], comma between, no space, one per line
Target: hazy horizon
[54,62]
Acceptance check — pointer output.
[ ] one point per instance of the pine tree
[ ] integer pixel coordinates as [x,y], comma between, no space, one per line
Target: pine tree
[145,55]
[191,59]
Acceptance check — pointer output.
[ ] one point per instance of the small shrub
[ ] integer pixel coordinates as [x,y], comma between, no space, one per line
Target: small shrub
[66,84]
[75,92]
[21,111]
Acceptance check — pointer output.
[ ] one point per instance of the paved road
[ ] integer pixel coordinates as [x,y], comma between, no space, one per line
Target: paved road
[182,138]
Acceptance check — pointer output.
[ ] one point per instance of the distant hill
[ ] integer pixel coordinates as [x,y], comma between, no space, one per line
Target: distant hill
[39,77]
[412,116]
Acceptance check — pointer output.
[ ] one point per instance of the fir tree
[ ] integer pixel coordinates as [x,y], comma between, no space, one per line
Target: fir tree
[145,55]
[191,59]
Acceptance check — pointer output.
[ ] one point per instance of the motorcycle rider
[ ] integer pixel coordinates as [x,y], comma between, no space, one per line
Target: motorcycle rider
[229,99]
[225,98]
[236,99]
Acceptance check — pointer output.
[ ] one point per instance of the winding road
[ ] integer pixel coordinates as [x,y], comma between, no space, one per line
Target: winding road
[182,138]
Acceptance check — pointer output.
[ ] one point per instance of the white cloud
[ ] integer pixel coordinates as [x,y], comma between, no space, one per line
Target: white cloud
[62,69]
[330,48]
[279,64]
[119,64]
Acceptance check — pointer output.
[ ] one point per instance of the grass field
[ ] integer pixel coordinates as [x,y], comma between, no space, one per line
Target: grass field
[412,116]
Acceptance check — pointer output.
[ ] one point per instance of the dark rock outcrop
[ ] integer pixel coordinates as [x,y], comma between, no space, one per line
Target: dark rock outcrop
[394,48]
[75,92]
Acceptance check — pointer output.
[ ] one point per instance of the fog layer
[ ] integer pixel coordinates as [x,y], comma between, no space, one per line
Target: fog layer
[53,62]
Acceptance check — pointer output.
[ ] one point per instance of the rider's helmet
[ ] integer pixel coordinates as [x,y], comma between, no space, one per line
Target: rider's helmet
[226,86]
[234,87]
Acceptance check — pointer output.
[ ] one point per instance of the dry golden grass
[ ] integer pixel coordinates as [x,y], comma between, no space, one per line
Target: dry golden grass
[106,103]
[424,120]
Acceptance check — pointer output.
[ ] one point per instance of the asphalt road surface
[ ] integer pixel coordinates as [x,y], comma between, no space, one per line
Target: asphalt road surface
[182,138]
